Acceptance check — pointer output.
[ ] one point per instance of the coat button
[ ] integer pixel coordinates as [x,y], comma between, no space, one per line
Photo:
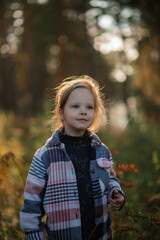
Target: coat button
[93,171]
[95,193]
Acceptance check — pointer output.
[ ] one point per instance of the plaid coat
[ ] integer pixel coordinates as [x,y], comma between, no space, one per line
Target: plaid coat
[51,188]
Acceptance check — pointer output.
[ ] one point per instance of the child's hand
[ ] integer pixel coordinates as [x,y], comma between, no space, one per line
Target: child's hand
[112,173]
[117,200]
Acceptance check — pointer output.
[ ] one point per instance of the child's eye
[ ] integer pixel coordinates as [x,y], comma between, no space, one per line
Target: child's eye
[75,106]
[90,107]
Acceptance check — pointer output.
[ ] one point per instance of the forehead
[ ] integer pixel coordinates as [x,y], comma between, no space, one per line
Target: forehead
[81,93]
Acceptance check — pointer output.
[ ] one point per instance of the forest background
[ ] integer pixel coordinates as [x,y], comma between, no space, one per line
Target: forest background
[117,42]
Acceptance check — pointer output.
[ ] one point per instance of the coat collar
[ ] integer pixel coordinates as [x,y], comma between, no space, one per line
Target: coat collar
[55,141]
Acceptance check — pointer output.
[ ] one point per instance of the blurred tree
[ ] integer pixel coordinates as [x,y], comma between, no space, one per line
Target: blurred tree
[147,67]
[76,53]
[147,71]
[51,44]
[43,42]
[30,59]
[7,77]
[128,36]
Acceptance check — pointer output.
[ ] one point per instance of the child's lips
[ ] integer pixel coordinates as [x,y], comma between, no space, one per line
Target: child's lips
[82,120]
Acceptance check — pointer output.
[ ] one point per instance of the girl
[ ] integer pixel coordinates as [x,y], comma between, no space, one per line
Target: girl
[71,177]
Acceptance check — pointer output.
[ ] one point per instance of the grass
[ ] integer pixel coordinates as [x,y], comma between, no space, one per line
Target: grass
[136,156]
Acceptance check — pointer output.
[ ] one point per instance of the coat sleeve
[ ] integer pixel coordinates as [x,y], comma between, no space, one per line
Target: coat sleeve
[32,210]
[113,181]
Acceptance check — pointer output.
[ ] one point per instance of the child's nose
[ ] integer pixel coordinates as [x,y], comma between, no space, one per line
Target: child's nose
[83,111]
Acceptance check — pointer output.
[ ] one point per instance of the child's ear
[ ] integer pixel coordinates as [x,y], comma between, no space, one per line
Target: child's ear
[61,114]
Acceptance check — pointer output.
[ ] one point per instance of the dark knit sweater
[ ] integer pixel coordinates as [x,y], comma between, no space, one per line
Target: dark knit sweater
[78,149]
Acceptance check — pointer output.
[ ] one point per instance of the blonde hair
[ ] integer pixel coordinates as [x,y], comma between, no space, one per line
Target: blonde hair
[63,92]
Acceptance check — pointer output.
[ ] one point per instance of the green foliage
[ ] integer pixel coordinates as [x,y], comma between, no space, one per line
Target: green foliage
[19,139]
[10,230]
[136,156]
[132,223]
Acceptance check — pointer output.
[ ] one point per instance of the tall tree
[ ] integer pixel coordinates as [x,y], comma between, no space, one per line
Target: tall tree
[147,71]
[38,65]
[7,71]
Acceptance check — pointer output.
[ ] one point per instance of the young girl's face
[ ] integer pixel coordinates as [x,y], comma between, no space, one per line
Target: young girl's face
[78,112]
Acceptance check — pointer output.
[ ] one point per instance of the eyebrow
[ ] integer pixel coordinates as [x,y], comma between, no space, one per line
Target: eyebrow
[88,103]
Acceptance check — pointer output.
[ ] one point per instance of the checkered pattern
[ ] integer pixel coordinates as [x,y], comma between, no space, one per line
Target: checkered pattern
[51,188]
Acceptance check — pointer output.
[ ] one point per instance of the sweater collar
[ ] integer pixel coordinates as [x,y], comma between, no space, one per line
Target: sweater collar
[54,140]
